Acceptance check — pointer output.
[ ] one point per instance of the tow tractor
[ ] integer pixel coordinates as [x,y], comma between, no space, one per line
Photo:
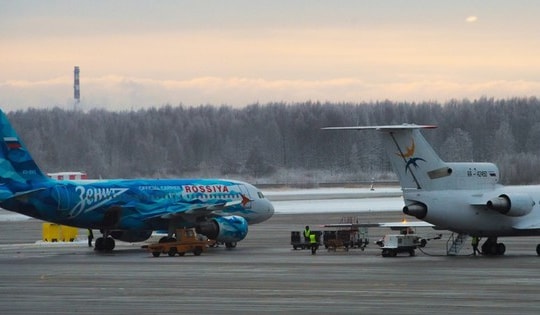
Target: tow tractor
[186,241]
[405,242]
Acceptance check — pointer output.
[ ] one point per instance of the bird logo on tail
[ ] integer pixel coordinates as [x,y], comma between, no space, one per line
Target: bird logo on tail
[408,157]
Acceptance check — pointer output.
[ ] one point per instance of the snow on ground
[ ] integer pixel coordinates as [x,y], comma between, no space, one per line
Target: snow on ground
[330,191]
[338,205]
[8,216]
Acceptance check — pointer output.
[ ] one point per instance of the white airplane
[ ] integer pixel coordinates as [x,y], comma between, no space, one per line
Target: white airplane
[465,198]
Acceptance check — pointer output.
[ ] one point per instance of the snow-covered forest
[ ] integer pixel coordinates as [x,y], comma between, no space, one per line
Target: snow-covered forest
[278,143]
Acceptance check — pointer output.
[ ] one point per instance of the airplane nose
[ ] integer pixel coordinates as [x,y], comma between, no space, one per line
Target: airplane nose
[270,209]
[266,211]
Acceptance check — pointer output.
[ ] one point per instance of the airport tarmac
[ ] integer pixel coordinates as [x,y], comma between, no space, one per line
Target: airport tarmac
[263,275]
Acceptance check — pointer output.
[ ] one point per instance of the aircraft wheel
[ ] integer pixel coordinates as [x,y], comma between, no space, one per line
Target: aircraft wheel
[489,248]
[99,245]
[501,249]
[109,244]
[538,249]
[230,245]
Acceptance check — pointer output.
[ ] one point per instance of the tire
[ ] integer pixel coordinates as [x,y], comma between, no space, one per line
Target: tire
[501,249]
[156,254]
[172,252]
[538,249]
[197,251]
[181,253]
[99,245]
[230,245]
[109,244]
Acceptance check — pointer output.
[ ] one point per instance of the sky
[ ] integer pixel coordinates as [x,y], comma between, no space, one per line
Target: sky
[137,54]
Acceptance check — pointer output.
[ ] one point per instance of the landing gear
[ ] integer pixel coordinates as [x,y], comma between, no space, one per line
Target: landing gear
[230,245]
[104,244]
[538,249]
[492,248]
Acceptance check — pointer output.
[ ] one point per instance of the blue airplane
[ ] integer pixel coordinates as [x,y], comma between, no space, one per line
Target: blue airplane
[127,210]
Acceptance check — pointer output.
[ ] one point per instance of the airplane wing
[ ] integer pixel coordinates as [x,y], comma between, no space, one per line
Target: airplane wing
[391,225]
[194,209]
[387,128]
[527,226]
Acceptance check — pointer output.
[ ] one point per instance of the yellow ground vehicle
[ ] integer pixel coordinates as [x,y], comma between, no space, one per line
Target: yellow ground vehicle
[186,241]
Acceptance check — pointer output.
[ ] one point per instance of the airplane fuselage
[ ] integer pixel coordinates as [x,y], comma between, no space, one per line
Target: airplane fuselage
[142,204]
[465,211]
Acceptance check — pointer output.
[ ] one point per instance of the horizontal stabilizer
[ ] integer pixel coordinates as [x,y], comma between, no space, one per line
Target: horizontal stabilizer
[387,128]
[23,194]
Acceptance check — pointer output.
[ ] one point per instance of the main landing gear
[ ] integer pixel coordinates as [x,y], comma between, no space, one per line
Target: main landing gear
[105,243]
[492,248]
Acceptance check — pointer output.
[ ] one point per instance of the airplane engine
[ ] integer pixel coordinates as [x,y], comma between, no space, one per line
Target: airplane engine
[513,205]
[131,236]
[224,229]
[418,210]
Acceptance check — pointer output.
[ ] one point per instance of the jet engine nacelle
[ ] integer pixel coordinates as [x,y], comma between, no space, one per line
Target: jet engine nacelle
[227,229]
[513,205]
[131,236]
[418,210]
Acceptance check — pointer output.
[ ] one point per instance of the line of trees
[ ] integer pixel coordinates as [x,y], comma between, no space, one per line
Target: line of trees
[278,142]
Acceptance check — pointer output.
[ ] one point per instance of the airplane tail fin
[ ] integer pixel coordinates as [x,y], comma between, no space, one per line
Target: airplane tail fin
[413,159]
[18,170]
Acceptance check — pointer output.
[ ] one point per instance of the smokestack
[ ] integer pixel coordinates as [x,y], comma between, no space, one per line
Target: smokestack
[76,86]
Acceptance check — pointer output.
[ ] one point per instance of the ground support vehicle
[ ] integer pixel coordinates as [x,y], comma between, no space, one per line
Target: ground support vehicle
[392,244]
[299,242]
[345,239]
[187,240]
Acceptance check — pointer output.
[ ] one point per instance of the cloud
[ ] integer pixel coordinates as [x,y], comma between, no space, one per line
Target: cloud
[471,19]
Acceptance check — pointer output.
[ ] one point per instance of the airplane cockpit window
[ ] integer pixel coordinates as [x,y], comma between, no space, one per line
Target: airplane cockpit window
[260,194]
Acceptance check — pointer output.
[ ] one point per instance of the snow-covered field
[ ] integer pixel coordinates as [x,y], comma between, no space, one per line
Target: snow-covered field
[338,205]
[320,200]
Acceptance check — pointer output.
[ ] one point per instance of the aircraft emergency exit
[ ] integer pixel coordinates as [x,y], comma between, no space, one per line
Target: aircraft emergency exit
[127,210]
[465,198]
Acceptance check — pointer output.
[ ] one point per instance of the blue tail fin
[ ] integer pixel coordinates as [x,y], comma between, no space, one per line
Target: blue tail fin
[18,171]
